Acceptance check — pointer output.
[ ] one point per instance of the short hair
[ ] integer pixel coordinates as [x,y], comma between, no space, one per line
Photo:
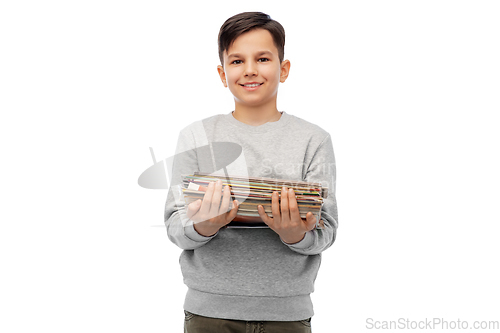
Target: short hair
[244,22]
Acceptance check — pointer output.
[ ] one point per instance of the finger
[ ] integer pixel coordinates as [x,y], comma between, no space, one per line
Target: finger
[293,206]
[285,213]
[263,215]
[214,207]
[224,207]
[207,199]
[193,208]
[233,212]
[275,208]
[310,221]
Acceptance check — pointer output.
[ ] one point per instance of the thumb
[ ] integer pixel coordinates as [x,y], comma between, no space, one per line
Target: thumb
[310,221]
[232,213]
[263,215]
[193,208]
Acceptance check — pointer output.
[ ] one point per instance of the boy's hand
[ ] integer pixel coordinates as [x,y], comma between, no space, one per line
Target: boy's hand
[207,216]
[286,220]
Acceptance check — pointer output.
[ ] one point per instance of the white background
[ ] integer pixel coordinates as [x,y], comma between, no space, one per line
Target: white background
[409,91]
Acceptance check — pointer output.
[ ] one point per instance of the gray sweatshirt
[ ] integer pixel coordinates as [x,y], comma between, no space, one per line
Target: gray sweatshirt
[251,274]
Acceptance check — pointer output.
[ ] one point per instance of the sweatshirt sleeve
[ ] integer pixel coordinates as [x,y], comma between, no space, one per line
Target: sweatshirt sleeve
[321,170]
[180,229]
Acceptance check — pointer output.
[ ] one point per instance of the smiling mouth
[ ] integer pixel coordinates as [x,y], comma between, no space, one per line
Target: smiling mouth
[252,85]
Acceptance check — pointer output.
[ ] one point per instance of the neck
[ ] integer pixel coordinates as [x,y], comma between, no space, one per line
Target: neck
[256,116]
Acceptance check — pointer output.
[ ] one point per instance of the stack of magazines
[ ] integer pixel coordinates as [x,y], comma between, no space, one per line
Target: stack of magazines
[253,191]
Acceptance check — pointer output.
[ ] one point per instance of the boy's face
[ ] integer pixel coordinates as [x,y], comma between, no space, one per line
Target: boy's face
[253,58]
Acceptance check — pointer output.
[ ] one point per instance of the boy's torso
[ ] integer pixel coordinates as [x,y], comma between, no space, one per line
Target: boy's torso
[244,273]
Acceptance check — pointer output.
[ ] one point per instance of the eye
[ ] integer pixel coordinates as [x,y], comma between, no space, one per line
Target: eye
[235,62]
[263,59]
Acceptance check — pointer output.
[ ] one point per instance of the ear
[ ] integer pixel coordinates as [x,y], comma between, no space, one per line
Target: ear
[285,70]
[222,75]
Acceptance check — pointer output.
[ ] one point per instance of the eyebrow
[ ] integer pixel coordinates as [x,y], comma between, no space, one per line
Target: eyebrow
[237,55]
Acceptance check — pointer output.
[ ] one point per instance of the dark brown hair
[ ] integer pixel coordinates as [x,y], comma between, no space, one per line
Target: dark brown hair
[244,22]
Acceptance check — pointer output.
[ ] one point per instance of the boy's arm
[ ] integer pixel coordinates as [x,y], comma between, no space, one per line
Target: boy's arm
[321,170]
[180,228]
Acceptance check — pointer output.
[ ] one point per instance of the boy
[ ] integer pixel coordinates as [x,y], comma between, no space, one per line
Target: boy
[254,279]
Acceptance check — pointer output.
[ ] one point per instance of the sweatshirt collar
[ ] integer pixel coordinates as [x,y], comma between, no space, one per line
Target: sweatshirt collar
[269,126]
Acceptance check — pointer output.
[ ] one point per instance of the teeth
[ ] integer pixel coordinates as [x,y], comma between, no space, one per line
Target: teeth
[252,85]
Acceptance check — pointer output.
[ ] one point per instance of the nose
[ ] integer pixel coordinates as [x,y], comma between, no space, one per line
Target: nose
[250,69]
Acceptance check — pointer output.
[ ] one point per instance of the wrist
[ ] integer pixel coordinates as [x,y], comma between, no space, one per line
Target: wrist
[204,230]
[293,240]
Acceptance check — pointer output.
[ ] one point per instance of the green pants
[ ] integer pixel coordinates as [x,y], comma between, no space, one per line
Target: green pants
[198,324]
